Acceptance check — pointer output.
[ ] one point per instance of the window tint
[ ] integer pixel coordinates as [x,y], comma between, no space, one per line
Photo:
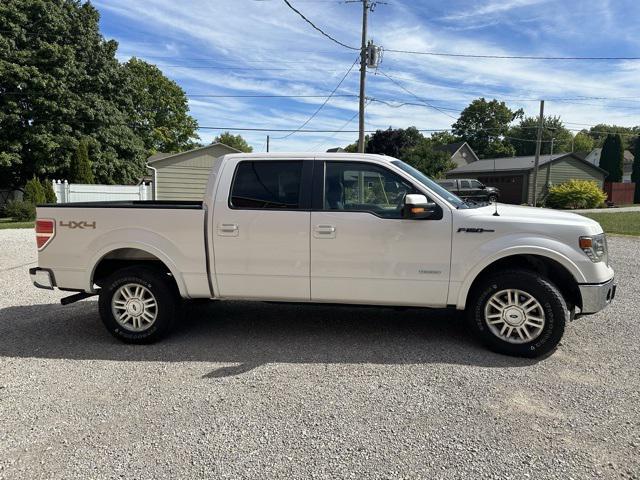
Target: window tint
[475,184]
[464,184]
[446,183]
[364,187]
[266,184]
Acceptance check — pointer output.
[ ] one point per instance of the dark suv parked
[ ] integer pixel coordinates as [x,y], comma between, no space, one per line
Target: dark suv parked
[471,189]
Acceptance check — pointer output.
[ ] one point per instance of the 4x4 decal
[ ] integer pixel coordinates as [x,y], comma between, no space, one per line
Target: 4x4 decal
[81,224]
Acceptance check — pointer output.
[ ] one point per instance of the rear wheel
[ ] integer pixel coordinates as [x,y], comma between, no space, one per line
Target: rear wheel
[518,313]
[138,304]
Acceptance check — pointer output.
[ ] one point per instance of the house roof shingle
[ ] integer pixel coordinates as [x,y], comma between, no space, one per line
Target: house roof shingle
[450,148]
[513,163]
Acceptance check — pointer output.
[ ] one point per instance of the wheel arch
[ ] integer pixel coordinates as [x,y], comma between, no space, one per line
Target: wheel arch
[116,257]
[552,265]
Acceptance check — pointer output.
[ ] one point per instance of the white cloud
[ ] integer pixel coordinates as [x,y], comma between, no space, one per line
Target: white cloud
[267,35]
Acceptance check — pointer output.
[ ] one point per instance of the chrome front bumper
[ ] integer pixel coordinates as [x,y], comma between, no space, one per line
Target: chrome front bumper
[597,296]
[42,278]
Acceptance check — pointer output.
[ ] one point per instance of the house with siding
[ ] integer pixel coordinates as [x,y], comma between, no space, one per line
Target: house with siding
[627,165]
[184,175]
[514,175]
[461,153]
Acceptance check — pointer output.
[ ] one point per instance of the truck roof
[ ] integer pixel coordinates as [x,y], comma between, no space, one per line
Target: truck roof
[310,156]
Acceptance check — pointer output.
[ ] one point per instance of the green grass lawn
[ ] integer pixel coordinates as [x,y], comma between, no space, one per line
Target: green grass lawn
[625,223]
[9,223]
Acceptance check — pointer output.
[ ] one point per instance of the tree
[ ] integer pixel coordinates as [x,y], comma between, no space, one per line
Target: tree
[599,134]
[80,169]
[233,141]
[523,136]
[62,83]
[483,125]
[410,145]
[582,142]
[394,142]
[635,171]
[159,109]
[443,138]
[49,193]
[34,192]
[612,157]
[432,163]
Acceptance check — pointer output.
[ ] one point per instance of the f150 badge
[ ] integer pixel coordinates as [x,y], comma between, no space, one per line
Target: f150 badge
[81,224]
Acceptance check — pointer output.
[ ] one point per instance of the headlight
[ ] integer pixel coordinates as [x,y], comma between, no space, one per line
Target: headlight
[595,247]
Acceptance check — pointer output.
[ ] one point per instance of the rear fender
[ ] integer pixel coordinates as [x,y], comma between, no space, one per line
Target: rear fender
[145,240]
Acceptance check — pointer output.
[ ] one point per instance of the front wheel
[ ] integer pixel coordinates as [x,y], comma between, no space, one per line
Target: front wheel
[138,304]
[518,313]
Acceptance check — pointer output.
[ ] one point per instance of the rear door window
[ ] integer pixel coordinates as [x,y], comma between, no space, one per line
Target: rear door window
[273,185]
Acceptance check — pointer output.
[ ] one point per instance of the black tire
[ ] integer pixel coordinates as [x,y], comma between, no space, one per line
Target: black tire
[157,284]
[549,299]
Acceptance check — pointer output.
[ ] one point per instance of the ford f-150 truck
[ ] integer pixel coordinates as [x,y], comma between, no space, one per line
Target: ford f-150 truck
[328,228]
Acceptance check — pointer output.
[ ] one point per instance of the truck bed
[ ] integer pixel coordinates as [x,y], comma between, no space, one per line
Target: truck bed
[87,233]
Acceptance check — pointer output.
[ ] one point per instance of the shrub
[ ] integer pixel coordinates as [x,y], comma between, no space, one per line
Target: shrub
[34,192]
[80,169]
[575,194]
[20,211]
[49,194]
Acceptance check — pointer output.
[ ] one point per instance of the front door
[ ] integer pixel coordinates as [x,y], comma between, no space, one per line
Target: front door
[261,230]
[363,251]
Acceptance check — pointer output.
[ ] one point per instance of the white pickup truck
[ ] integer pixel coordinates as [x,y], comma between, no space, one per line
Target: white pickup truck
[328,228]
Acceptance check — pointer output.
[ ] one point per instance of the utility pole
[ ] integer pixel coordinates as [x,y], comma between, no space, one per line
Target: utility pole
[267,143]
[537,161]
[363,74]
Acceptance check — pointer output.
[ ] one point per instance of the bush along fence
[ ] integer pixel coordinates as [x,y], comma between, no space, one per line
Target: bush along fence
[77,192]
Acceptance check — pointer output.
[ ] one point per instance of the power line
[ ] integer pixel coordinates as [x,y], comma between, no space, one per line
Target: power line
[506,97]
[417,97]
[399,104]
[207,95]
[340,130]
[323,103]
[506,57]
[317,28]
[350,95]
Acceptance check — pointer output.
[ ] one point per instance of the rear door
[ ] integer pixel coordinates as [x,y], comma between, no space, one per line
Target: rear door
[261,229]
[363,251]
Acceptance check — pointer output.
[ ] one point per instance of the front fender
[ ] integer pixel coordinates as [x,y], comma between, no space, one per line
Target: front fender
[540,246]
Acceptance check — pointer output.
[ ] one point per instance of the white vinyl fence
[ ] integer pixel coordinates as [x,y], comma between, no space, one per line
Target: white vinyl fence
[76,192]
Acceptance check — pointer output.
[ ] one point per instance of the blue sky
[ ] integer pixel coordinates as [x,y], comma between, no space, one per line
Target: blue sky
[241,47]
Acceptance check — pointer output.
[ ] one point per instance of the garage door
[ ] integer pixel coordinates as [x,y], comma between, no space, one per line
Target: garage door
[510,187]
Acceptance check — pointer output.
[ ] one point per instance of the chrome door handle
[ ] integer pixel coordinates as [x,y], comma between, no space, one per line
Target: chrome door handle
[324,231]
[228,230]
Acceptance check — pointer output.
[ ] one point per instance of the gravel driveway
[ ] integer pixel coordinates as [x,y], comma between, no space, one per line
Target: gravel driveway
[275,391]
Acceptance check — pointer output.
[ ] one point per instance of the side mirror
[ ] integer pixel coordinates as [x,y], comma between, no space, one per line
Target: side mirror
[416,206]
[483,187]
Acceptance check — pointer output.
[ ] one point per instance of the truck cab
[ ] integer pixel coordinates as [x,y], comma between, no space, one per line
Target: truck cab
[471,189]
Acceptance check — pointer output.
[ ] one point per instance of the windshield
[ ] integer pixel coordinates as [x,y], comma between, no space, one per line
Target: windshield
[430,184]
